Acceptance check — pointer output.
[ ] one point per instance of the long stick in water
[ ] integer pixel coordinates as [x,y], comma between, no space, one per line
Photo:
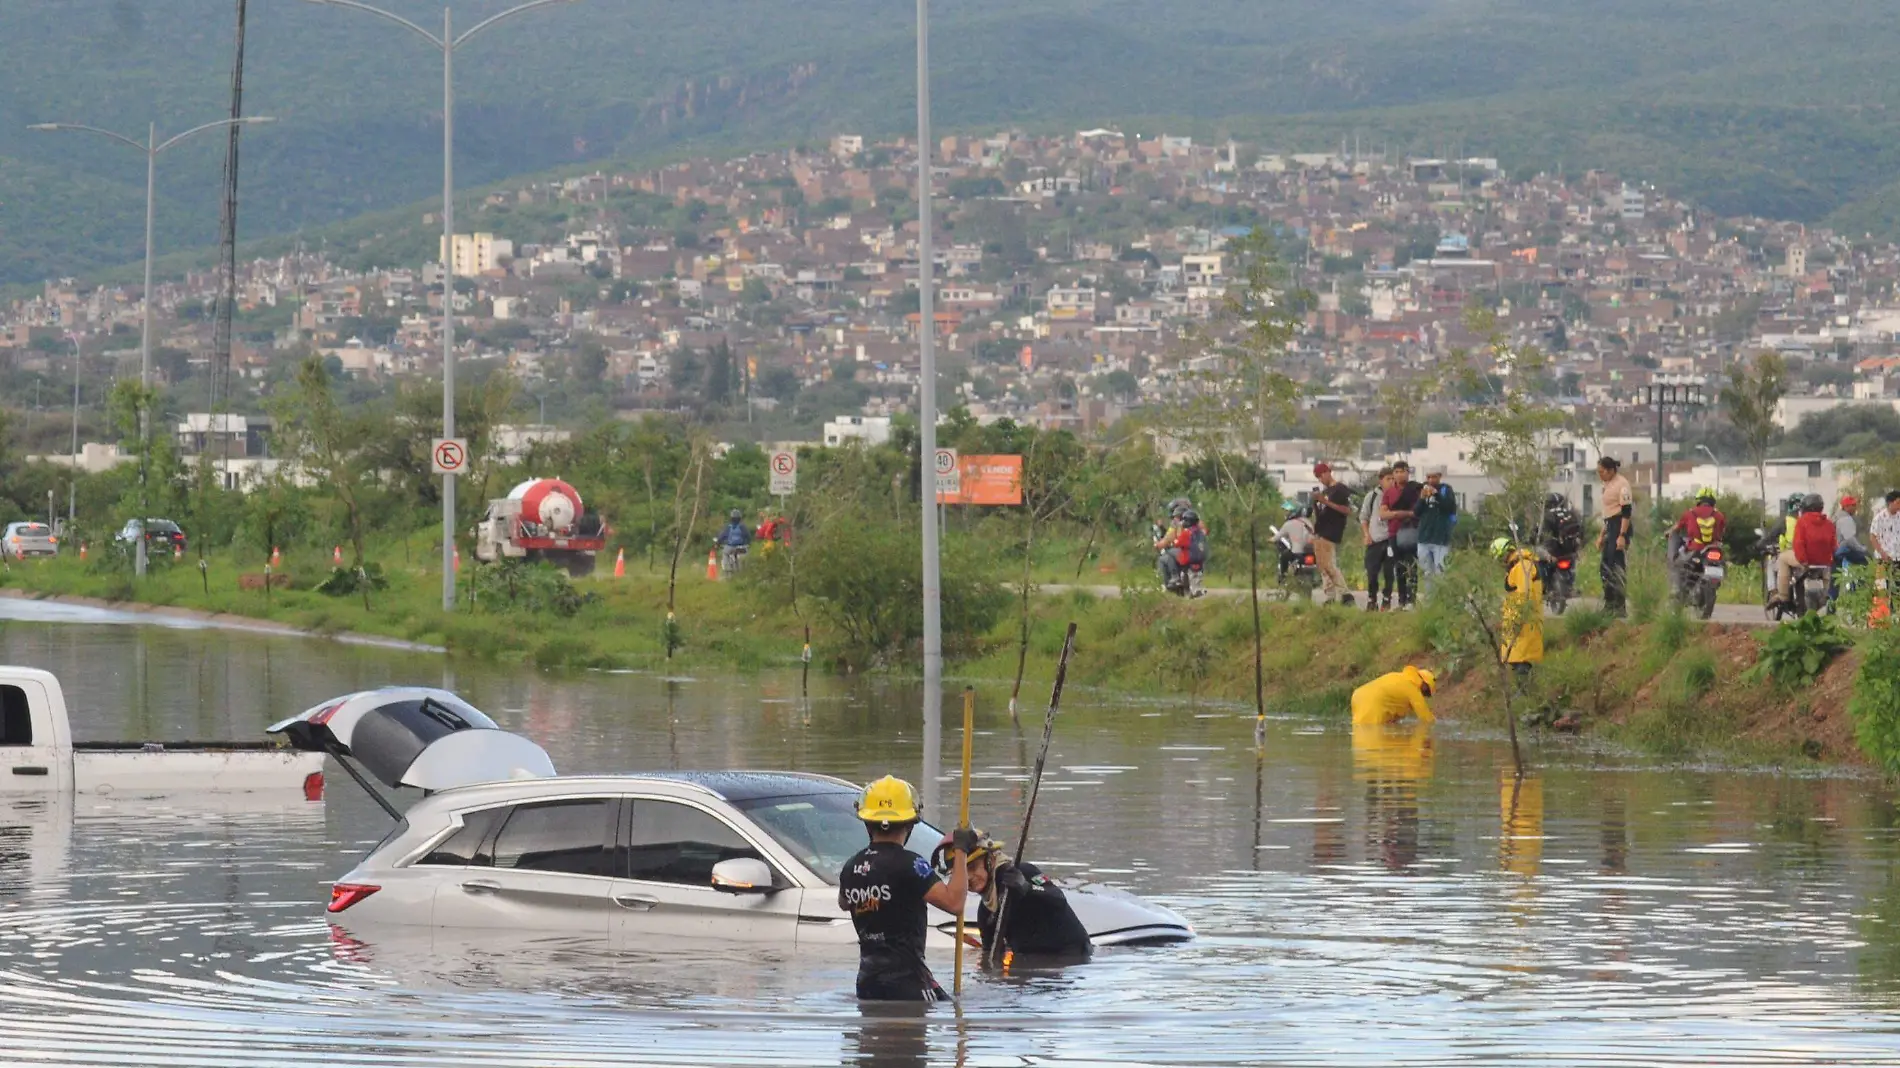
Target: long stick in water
[963,816]
[1035,786]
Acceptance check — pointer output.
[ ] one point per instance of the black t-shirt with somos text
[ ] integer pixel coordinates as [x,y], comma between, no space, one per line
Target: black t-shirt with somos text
[1330,523]
[883,889]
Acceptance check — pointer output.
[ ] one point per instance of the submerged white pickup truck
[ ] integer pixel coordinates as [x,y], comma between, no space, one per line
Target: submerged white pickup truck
[38,754]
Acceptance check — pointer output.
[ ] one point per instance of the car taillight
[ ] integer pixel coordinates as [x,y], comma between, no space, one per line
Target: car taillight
[313,786]
[343,895]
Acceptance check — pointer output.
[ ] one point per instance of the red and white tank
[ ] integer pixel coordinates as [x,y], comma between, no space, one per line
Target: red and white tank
[550,502]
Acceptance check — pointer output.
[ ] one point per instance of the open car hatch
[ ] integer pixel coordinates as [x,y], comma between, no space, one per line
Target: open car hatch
[416,736]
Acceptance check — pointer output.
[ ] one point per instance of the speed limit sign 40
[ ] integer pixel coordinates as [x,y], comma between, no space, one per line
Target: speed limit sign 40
[449,456]
[784,466]
[949,475]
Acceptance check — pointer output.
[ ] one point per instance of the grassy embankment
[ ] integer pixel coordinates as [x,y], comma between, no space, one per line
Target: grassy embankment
[1659,683]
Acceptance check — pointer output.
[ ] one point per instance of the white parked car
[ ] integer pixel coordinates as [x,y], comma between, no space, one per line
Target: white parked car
[21,540]
[729,854]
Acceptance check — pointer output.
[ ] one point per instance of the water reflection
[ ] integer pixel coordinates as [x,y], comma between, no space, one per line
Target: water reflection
[1366,897]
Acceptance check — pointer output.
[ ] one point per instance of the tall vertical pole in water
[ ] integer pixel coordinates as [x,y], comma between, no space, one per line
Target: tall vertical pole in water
[448,304]
[927,428]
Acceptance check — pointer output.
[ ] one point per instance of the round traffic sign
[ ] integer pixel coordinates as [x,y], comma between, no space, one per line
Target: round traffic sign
[784,463]
[946,461]
[449,456]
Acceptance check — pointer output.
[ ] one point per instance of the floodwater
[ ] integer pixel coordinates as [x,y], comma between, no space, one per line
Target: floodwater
[1373,900]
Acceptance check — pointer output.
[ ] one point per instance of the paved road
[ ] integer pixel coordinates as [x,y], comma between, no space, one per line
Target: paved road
[1741,615]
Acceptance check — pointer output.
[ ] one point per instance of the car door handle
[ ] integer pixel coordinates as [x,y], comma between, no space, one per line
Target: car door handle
[28,769]
[637,902]
[481,886]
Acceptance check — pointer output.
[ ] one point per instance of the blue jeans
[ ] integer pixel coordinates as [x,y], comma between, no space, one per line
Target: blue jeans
[1431,558]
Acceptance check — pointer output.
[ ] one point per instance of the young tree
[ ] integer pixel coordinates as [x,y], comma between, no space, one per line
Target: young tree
[1754,390]
[326,441]
[1510,429]
[1247,390]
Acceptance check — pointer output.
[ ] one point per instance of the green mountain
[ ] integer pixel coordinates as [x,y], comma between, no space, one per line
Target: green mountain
[1745,105]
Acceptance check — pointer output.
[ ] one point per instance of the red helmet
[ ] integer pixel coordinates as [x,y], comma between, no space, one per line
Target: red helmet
[1850,502]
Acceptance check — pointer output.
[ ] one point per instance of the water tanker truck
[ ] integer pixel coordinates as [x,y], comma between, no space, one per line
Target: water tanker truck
[542,519]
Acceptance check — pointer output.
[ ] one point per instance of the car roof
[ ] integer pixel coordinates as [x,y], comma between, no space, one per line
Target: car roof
[734,786]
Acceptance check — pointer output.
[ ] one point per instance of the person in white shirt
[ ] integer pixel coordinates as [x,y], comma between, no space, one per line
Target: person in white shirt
[1885,531]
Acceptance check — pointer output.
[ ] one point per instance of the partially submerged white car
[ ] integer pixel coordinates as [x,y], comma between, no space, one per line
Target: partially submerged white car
[501,842]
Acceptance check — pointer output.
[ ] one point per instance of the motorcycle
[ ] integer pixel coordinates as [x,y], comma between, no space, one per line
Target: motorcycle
[1560,579]
[1298,570]
[1699,576]
[1807,590]
[731,560]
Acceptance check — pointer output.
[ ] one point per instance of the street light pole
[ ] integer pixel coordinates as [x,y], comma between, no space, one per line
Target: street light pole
[927,428]
[1717,464]
[446,44]
[72,481]
[153,148]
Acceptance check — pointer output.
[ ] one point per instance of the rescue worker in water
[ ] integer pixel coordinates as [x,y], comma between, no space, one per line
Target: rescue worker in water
[1037,920]
[888,890]
[1394,696]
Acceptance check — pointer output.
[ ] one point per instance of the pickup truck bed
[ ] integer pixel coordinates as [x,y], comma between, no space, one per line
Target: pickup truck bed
[37,754]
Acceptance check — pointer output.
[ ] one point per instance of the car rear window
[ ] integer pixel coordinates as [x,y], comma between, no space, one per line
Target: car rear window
[35,530]
[162,526]
[463,848]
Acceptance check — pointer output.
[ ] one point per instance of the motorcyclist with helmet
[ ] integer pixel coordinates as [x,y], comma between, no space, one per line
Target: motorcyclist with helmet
[888,890]
[1186,554]
[733,540]
[1847,546]
[1296,537]
[1810,544]
[1700,527]
[1165,536]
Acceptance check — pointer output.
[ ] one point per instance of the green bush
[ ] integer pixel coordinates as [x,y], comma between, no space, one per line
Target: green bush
[1581,624]
[516,586]
[345,581]
[865,574]
[1875,705]
[1793,655]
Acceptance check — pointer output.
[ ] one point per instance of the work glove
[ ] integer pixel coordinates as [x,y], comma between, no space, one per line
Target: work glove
[964,840]
[1012,880]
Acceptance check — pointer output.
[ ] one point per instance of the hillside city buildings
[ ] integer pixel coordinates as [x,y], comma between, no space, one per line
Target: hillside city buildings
[1080,278]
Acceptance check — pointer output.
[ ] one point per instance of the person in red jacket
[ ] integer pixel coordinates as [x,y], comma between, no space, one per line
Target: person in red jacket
[1811,546]
[1703,525]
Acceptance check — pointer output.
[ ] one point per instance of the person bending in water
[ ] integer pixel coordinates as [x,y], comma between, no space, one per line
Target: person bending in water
[1392,697]
[888,890]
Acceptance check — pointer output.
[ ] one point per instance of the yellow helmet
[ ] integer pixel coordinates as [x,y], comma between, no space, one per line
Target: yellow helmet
[985,845]
[1427,681]
[888,802]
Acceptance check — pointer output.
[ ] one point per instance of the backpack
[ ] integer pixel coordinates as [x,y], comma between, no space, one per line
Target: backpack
[1568,528]
[1197,547]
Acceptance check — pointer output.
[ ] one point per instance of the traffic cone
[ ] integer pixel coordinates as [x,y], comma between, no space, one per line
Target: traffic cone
[712,564]
[620,564]
[336,555]
[458,559]
[82,550]
[178,551]
[276,558]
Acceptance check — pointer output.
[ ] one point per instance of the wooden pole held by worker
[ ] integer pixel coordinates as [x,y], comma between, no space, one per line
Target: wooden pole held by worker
[963,816]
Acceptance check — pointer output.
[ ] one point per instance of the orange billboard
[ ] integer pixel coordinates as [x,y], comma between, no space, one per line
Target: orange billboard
[987,480]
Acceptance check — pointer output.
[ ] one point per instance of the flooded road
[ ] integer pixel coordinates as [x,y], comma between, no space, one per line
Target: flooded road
[1374,899]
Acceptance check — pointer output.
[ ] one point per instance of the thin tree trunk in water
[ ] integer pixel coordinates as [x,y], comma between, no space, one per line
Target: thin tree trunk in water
[1022,639]
[679,544]
[1259,681]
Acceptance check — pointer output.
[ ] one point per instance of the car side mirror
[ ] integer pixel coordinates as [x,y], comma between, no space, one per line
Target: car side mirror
[743,875]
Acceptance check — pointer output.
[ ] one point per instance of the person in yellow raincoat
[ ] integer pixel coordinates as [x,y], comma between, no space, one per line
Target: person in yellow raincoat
[1394,696]
[1521,623]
